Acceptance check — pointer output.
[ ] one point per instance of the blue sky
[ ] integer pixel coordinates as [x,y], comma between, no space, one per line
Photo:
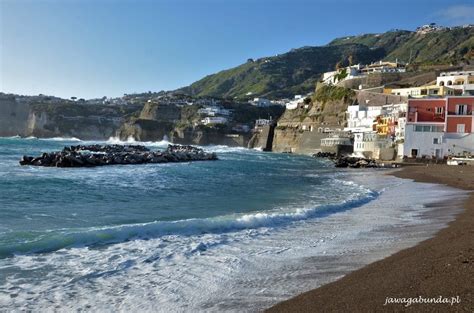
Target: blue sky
[98,48]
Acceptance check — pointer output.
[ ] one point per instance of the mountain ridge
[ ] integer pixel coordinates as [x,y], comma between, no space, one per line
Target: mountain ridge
[296,71]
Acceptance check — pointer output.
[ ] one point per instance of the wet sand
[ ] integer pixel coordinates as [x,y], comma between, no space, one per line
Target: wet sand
[440,266]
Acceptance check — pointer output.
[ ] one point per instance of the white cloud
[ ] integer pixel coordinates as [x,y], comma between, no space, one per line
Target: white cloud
[458,14]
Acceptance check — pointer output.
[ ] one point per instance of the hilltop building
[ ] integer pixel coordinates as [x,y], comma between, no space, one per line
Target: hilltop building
[428,28]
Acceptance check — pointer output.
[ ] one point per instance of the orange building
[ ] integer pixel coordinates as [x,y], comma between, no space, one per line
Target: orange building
[460,118]
[437,128]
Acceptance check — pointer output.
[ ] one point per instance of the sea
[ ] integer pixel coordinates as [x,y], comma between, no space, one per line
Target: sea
[236,235]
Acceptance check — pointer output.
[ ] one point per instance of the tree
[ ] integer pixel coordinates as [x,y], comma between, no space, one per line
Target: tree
[340,75]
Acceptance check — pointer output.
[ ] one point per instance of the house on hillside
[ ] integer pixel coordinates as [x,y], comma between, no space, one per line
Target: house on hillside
[214,120]
[422,91]
[462,81]
[261,102]
[349,72]
[384,67]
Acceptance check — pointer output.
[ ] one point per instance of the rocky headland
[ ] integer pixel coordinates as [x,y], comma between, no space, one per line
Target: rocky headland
[100,155]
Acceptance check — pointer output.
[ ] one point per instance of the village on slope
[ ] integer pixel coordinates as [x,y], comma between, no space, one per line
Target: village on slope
[388,110]
[434,121]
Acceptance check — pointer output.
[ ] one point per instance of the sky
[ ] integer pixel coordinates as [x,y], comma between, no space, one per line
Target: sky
[96,48]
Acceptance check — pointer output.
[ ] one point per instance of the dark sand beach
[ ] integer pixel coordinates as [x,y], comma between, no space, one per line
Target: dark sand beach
[440,266]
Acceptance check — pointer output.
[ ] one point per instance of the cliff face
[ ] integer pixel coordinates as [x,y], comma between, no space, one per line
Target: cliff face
[209,136]
[301,130]
[155,121]
[13,116]
[88,122]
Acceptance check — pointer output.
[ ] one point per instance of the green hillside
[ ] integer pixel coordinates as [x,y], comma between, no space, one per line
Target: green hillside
[296,72]
[439,47]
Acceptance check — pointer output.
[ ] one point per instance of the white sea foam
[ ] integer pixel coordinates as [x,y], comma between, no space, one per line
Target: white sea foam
[94,236]
[61,139]
[239,270]
[130,140]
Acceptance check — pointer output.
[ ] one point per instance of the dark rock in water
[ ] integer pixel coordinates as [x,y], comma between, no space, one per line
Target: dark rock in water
[354,162]
[328,155]
[99,155]
[347,161]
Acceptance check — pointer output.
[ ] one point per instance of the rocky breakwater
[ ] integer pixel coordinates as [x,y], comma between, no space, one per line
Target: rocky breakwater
[347,161]
[100,155]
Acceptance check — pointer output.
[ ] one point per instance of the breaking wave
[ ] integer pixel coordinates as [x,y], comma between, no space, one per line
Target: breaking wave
[98,236]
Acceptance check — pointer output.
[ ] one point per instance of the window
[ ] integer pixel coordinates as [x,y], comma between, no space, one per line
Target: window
[439,110]
[426,129]
[414,153]
[461,109]
[460,128]
[435,141]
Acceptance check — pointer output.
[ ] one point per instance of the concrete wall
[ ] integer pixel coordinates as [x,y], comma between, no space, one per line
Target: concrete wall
[296,141]
[262,139]
[373,98]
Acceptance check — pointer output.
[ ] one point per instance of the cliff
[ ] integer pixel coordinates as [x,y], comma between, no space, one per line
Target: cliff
[301,130]
[89,122]
[13,116]
[181,124]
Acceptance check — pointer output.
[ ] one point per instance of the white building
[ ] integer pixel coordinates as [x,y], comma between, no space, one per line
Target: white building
[214,120]
[424,139]
[461,80]
[364,143]
[384,67]
[293,104]
[428,28]
[369,138]
[214,111]
[261,102]
[360,118]
[352,71]
[262,122]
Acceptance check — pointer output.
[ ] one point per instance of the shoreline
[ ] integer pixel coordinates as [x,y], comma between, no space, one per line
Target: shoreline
[439,266]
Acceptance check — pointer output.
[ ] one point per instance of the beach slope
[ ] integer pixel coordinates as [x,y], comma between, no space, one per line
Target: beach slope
[440,266]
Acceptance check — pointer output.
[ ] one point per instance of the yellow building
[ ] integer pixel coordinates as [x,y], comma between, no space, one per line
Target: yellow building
[422,91]
[382,126]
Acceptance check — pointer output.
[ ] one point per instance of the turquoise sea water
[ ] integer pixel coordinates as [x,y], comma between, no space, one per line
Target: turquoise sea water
[172,235]
[45,209]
